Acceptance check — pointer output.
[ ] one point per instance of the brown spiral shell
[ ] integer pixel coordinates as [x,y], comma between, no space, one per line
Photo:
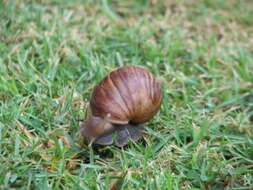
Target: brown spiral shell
[128,94]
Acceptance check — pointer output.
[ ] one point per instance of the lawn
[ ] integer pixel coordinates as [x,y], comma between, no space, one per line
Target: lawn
[53,53]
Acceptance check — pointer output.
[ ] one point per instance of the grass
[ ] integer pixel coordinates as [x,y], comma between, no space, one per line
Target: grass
[52,54]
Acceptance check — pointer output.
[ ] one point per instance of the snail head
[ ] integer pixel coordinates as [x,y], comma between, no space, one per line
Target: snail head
[94,127]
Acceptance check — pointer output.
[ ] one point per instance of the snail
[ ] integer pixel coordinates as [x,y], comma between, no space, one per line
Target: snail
[120,104]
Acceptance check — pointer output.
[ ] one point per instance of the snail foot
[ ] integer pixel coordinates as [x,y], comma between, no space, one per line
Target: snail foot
[127,132]
[121,135]
[105,139]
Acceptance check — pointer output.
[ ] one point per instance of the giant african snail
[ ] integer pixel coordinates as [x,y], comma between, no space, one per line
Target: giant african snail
[120,104]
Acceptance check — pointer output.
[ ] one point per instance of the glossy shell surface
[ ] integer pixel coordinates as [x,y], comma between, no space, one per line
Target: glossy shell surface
[128,94]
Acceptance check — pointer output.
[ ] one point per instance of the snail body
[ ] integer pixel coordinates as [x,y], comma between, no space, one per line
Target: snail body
[120,104]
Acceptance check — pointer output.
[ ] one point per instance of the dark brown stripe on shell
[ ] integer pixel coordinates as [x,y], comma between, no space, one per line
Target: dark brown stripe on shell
[124,93]
[125,78]
[121,96]
[113,98]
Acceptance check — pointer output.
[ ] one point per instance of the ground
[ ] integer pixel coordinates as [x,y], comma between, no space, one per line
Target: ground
[52,54]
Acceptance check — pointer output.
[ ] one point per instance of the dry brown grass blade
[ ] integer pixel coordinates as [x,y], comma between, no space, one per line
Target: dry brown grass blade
[25,131]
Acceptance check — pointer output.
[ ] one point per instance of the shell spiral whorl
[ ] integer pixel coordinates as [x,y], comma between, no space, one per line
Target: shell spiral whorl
[127,94]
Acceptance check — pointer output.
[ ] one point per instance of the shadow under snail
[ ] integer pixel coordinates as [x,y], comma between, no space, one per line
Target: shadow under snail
[120,104]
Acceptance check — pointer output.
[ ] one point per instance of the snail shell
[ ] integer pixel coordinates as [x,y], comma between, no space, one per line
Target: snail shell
[121,103]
